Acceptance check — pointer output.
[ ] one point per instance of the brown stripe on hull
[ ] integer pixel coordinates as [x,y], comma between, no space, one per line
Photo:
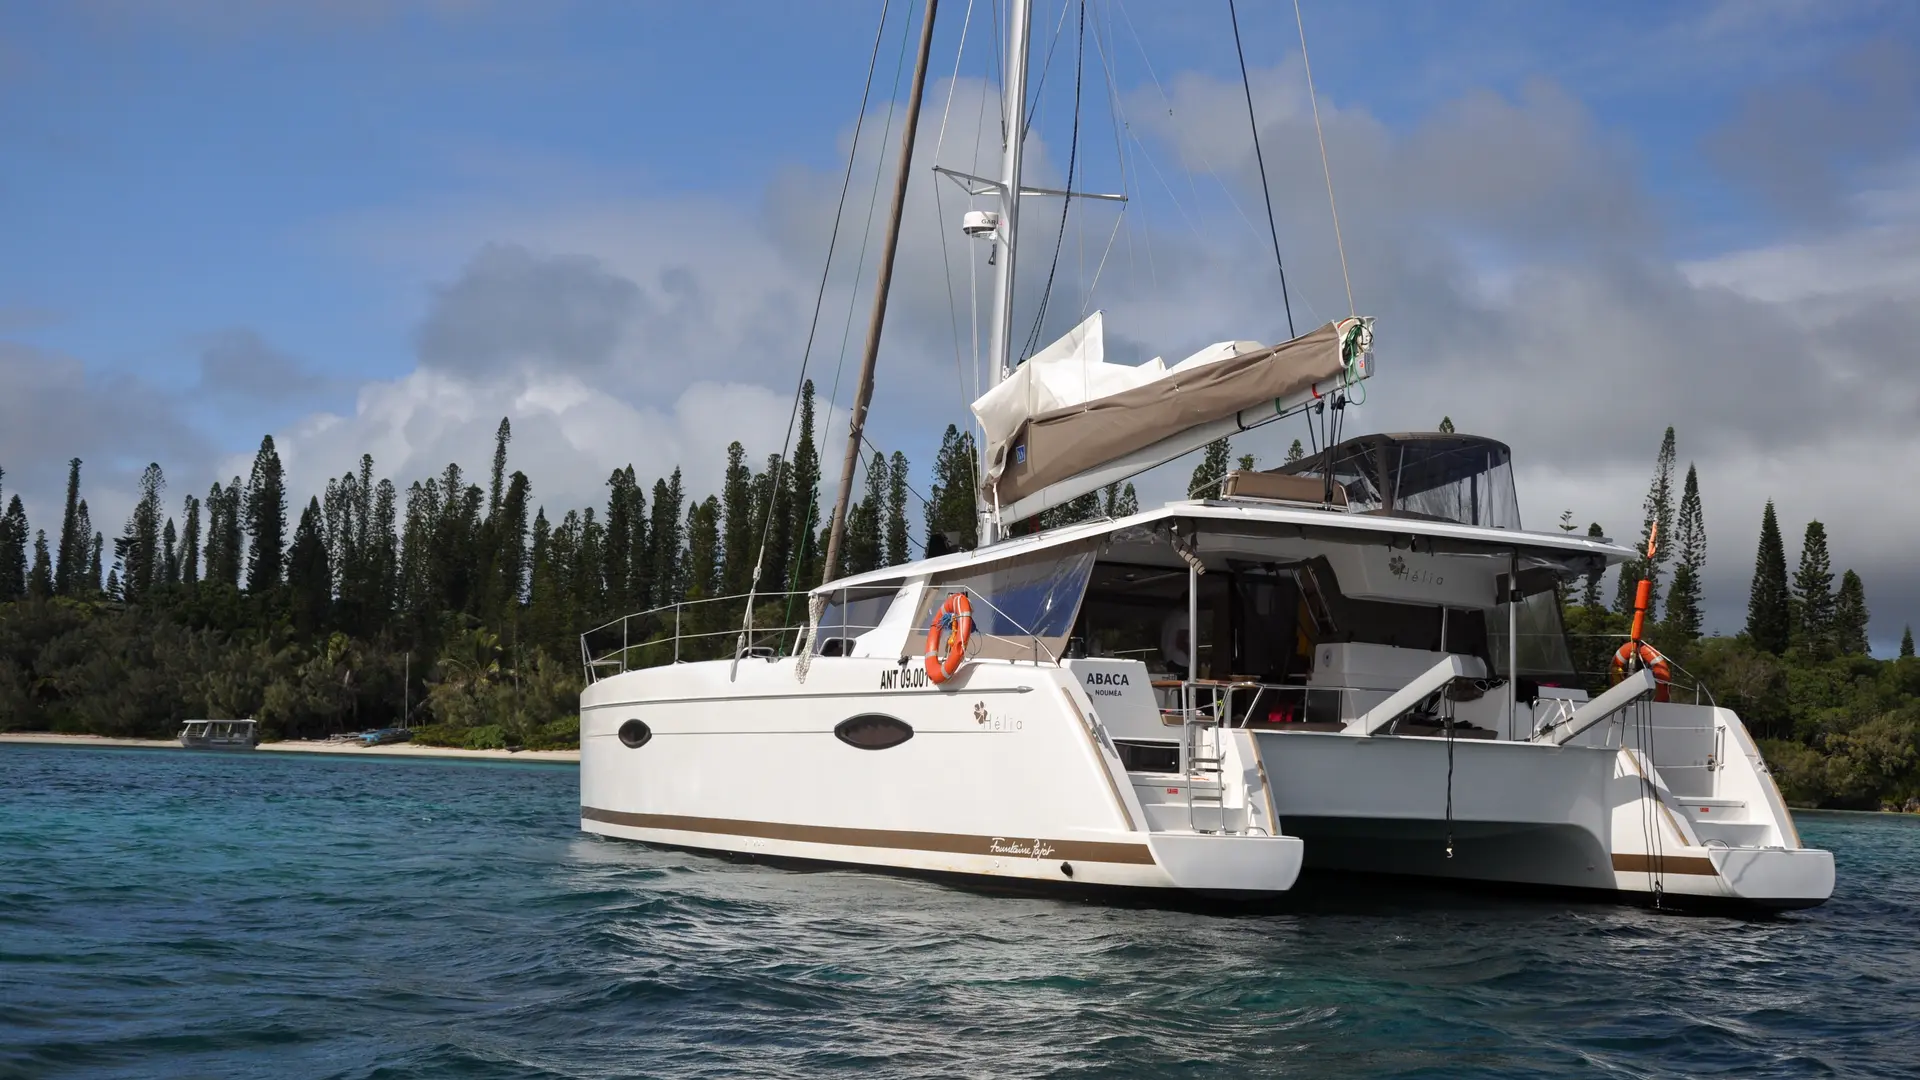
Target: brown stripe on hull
[955,843]
[1697,865]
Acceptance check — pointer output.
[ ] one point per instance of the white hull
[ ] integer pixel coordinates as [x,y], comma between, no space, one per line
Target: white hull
[1575,817]
[1006,778]
[1010,778]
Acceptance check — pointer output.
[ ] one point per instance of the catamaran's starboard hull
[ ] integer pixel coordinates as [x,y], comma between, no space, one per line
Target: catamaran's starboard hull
[1578,817]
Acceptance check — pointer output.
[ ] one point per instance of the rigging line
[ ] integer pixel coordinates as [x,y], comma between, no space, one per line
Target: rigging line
[1192,188]
[910,488]
[1324,167]
[1027,124]
[866,235]
[940,211]
[952,84]
[1265,191]
[1066,201]
[873,200]
[813,325]
[1101,268]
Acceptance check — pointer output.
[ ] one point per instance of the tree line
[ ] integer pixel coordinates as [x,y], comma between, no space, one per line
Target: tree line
[455,604]
[1837,726]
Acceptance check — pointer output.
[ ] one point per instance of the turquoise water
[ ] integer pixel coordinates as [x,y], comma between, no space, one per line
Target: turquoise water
[171,914]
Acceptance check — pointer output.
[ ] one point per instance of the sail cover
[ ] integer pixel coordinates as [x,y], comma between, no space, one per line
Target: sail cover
[1066,410]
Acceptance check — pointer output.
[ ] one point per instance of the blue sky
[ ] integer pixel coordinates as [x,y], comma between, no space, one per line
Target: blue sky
[239,218]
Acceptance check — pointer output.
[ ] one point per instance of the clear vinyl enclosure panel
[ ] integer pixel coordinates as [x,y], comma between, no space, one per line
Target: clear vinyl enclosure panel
[1460,478]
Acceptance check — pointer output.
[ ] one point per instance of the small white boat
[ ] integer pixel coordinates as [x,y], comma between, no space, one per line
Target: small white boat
[220,735]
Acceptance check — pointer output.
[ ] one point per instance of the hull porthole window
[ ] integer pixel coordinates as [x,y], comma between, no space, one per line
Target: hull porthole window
[635,734]
[872,731]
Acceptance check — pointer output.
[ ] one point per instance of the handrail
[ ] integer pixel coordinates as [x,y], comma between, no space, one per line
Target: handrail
[620,657]
[1622,695]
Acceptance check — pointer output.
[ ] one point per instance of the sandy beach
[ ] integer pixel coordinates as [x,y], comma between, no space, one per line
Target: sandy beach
[343,749]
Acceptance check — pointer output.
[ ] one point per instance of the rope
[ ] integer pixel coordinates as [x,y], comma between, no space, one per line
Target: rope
[1265,192]
[1324,167]
[806,354]
[1073,158]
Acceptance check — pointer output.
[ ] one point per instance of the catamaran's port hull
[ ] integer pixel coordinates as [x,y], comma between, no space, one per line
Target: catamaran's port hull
[1004,777]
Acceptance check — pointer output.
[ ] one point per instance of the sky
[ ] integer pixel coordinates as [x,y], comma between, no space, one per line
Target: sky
[363,226]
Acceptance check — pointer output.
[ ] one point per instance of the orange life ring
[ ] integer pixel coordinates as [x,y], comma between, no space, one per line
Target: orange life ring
[1649,656]
[953,623]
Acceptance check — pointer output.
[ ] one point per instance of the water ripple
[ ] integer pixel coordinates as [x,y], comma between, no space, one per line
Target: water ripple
[170,914]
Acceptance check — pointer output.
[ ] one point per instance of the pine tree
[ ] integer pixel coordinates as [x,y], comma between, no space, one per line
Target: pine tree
[1245,464]
[1850,617]
[383,545]
[96,561]
[896,530]
[619,571]
[703,549]
[73,538]
[1128,503]
[1684,614]
[510,540]
[1446,425]
[545,591]
[864,543]
[1590,593]
[1207,475]
[951,525]
[170,555]
[40,579]
[805,499]
[215,543]
[138,548]
[1906,644]
[1659,518]
[773,520]
[13,552]
[738,542]
[1769,606]
[310,574]
[666,539]
[1295,452]
[266,520]
[190,546]
[1813,594]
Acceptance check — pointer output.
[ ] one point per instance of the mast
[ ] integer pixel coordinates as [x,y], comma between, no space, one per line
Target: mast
[882,283]
[1013,125]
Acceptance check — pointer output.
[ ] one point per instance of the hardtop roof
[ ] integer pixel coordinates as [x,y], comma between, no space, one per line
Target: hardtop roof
[1359,524]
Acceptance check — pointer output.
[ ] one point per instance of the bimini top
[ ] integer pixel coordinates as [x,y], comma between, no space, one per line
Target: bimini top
[1428,474]
[1586,554]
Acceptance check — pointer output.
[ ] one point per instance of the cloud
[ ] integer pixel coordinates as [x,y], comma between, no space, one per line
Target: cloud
[568,435]
[1798,144]
[1519,264]
[51,409]
[238,365]
[511,308]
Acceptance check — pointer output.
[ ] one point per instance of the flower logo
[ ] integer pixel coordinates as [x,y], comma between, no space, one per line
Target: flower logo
[979,712]
[1398,566]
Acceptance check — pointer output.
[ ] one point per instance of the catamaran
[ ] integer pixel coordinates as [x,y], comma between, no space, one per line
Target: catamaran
[1353,662]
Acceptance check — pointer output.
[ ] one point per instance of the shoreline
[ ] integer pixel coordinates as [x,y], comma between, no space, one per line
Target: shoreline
[333,749]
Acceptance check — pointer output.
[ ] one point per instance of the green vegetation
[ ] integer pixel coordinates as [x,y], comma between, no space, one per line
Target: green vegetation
[440,604]
[1838,727]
